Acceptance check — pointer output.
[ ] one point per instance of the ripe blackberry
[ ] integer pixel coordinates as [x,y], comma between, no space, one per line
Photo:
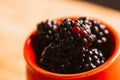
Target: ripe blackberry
[100,32]
[71,32]
[93,58]
[45,30]
[54,58]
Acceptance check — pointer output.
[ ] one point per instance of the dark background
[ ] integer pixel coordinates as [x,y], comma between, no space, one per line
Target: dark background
[114,4]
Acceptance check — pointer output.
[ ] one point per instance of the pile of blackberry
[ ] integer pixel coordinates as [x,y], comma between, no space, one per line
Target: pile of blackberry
[72,46]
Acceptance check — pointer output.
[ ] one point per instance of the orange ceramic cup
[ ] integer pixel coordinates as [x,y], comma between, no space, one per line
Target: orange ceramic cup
[110,70]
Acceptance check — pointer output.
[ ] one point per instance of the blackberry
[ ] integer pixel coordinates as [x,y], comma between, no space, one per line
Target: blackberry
[54,58]
[45,30]
[100,32]
[93,58]
[71,32]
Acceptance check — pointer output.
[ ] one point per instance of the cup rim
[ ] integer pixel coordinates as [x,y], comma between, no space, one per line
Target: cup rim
[44,72]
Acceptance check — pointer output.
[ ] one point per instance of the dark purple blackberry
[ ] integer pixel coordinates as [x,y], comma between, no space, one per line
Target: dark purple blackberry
[45,30]
[92,59]
[44,36]
[71,32]
[100,32]
[54,58]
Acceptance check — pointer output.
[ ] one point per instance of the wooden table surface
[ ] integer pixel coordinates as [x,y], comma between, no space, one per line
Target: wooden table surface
[19,17]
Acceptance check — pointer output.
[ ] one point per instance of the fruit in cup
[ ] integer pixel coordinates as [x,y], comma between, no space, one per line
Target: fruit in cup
[71,45]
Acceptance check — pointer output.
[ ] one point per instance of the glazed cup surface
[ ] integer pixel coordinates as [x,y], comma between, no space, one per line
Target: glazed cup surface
[107,71]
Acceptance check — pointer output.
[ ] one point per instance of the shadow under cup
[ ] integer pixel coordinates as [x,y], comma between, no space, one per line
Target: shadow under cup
[110,70]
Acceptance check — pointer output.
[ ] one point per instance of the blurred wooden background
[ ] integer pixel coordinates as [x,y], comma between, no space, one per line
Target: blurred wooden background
[19,17]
